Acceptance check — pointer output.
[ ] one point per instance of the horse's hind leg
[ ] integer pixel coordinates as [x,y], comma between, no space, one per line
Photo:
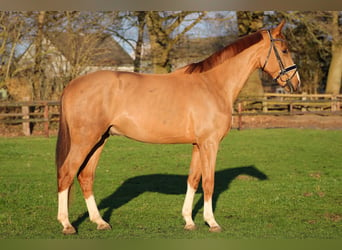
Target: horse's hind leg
[86,180]
[193,180]
[80,147]
[66,174]
[63,216]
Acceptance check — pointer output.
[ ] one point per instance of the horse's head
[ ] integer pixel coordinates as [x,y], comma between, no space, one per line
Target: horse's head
[276,59]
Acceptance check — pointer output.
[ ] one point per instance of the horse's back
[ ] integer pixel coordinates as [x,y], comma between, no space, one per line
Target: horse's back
[89,81]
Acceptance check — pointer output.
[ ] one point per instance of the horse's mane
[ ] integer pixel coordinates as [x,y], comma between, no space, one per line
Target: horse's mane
[222,55]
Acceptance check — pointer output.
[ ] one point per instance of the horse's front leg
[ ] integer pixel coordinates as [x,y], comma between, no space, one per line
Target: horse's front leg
[193,180]
[208,153]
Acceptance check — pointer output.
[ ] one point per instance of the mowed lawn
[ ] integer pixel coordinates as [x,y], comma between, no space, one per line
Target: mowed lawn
[270,184]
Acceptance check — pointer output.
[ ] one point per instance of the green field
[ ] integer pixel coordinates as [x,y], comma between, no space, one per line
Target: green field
[270,184]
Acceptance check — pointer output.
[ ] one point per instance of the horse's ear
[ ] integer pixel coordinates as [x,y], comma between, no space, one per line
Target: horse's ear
[277,30]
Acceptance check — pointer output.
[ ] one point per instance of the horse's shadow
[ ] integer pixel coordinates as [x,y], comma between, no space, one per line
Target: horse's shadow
[168,184]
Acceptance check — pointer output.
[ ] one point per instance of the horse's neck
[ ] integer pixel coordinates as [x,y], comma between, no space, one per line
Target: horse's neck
[234,72]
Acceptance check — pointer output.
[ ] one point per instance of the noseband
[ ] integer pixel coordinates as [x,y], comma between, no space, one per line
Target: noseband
[283,71]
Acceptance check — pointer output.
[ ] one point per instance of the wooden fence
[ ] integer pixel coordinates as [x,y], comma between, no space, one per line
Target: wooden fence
[28,113]
[288,104]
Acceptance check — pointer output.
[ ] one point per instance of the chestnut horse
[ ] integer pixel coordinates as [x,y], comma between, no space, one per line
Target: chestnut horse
[192,105]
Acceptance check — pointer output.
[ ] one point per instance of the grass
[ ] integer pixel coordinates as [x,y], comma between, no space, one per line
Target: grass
[270,184]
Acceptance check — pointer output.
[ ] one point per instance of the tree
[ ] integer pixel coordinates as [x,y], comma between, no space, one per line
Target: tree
[141,22]
[165,30]
[335,69]
[129,28]
[24,31]
[15,31]
[11,33]
[38,81]
[315,39]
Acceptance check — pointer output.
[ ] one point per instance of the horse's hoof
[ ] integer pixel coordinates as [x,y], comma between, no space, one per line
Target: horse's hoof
[215,229]
[69,230]
[104,227]
[190,227]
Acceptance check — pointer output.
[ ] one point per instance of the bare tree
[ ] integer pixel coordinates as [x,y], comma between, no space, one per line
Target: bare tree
[141,19]
[38,75]
[11,32]
[165,31]
[14,32]
[81,33]
[84,30]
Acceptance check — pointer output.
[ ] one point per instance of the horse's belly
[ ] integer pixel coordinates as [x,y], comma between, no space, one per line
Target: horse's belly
[154,131]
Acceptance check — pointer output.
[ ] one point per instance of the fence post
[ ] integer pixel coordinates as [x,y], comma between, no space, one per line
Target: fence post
[304,98]
[239,116]
[46,119]
[25,109]
[333,103]
[264,105]
[338,104]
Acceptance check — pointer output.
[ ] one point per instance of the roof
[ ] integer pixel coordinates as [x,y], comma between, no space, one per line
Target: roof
[98,49]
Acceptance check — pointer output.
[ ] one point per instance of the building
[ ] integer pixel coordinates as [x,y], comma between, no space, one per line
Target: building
[63,53]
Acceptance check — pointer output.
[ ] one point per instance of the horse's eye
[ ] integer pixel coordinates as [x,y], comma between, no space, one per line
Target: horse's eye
[285,51]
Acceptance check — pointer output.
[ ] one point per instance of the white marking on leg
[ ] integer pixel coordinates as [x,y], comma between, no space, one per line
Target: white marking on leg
[208,216]
[63,215]
[63,207]
[94,213]
[187,208]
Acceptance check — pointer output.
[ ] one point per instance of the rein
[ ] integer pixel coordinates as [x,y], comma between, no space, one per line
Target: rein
[283,70]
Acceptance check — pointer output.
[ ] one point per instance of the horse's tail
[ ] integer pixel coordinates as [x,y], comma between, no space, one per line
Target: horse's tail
[63,140]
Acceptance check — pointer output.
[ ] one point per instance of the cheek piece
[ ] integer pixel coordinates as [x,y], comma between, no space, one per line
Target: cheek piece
[283,70]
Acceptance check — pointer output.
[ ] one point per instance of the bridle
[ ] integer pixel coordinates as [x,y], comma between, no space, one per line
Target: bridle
[283,71]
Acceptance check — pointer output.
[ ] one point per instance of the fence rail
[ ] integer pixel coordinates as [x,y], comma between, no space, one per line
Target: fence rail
[47,112]
[288,104]
[30,112]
